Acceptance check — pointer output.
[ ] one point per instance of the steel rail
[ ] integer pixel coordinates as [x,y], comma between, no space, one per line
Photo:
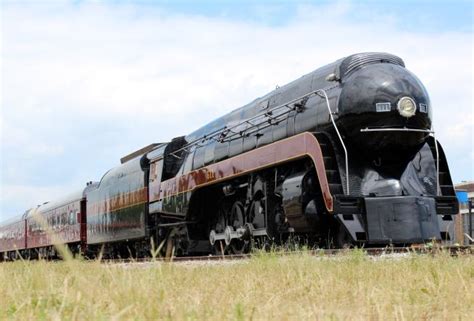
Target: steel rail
[371,252]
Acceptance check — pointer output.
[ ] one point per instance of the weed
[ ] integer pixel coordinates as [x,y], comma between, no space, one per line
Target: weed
[268,286]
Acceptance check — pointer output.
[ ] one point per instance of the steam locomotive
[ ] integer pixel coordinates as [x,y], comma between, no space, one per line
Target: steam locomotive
[345,155]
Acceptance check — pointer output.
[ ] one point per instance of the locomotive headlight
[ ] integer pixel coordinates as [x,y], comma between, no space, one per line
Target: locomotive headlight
[406,107]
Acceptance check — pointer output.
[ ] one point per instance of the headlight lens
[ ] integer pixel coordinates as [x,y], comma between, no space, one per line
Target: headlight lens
[406,107]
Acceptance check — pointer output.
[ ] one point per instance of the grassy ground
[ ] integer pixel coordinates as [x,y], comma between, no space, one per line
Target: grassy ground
[268,287]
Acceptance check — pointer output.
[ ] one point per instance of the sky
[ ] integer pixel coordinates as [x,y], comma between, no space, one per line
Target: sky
[84,83]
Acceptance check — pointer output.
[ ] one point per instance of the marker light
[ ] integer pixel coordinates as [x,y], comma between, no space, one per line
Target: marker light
[406,107]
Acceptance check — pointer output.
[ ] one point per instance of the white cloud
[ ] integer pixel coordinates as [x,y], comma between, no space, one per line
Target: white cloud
[29,196]
[109,79]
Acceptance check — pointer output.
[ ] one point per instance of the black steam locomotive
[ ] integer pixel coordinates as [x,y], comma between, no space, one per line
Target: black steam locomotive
[344,155]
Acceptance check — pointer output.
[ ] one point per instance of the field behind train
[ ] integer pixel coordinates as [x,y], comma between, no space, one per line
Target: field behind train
[267,287]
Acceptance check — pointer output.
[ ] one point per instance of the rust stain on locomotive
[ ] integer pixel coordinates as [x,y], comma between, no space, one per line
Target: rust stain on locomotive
[119,202]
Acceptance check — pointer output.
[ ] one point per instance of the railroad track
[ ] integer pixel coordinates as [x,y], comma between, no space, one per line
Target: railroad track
[435,250]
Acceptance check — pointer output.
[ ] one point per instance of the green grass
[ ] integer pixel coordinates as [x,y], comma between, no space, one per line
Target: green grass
[267,287]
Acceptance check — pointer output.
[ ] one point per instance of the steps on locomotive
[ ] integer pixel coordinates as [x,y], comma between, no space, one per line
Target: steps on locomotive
[330,165]
[445,183]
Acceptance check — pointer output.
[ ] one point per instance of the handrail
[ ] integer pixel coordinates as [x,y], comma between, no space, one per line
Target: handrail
[437,163]
[323,93]
[222,132]
[396,129]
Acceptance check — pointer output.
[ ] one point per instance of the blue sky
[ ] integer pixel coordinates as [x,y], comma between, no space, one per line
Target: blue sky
[85,83]
[431,16]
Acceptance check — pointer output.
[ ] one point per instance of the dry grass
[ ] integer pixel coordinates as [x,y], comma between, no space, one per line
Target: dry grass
[268,287]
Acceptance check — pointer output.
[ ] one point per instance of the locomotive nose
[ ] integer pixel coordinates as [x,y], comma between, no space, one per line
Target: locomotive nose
[378,102]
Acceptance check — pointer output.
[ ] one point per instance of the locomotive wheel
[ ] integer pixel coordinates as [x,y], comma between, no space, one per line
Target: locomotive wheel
[220,224]
[255,213]
[237,215]
[237,220]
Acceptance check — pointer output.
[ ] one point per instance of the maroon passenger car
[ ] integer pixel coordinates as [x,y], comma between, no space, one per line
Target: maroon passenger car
[12,238]
[58,222]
